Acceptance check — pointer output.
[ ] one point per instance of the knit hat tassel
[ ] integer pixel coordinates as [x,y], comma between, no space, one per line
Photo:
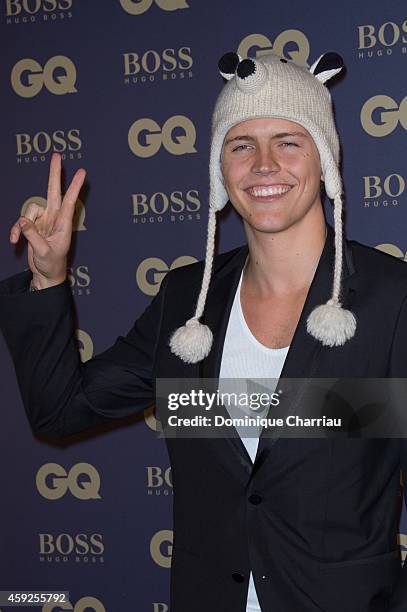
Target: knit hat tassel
[193,341]
[329,323]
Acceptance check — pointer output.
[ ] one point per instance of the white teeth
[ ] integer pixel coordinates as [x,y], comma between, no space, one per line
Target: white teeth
[268,191]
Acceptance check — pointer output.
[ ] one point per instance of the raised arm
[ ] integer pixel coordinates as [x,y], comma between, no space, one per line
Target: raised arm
[62,395]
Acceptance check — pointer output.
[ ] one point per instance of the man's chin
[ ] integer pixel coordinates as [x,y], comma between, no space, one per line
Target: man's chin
[266,226]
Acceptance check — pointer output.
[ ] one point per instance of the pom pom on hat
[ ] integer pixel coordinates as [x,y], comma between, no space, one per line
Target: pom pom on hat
[191,342]
[331,324]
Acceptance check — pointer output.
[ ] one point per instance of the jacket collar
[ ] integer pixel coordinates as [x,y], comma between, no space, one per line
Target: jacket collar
[303,356]
[223,288]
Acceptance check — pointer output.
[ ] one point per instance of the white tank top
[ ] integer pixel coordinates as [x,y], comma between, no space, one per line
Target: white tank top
[245,358]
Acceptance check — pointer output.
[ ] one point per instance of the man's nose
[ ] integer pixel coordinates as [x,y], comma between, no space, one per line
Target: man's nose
[265,161]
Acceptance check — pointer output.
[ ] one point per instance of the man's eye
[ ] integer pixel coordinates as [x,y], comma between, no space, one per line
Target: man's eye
[289,144]
[242,147]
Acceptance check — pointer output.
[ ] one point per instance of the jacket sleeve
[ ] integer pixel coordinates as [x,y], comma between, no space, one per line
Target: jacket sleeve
[398,369]
[62,395]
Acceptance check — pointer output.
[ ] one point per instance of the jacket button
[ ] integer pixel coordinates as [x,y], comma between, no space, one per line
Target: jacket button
[238,577]
[255,499]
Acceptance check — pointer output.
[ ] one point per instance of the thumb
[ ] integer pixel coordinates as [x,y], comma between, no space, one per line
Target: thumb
[38,243]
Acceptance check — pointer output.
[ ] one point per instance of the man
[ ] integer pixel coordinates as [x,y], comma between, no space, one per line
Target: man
[290,524]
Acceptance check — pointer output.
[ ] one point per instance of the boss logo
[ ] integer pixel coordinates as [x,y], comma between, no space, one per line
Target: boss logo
[145,67]
[85,604]
[176,206]
[58,76]
[159,481]
[387,34]
[151,271]
[138,7]
[42,142]
[391,188]
[31,7]
[79,279]
[146,137]
[53,481]
[258,44]
[28,11]
[161,548]
[66,544]
[380,115]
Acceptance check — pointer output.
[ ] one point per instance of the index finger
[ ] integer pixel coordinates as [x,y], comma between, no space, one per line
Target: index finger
[54,183]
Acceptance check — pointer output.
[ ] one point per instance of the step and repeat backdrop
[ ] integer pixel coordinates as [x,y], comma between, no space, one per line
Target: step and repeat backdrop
[125,89]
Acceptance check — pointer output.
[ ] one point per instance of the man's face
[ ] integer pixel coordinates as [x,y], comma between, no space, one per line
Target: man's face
[271,171]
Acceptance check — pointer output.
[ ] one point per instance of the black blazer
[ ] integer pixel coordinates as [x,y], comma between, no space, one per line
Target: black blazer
[316,520]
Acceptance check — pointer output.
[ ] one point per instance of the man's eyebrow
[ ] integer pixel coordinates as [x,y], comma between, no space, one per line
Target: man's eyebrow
[275,137]
[241,137]
[286,134]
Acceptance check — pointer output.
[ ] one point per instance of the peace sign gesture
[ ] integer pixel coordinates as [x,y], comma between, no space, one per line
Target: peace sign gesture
[49,230]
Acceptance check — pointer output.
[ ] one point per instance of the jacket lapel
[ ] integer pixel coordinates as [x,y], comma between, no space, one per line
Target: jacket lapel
[216,315]
[218,306]
[303,356]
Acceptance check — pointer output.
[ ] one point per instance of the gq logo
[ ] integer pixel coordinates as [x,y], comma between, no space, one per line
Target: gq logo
[138,7]
[159,269]
[53,482]
[28,77]
[381,114]
[263,45]
[150,420]
[161,548]
[85,345]
[85,604]
[402,541]
[145,136]
[392,249]
[158,607]
[78,222]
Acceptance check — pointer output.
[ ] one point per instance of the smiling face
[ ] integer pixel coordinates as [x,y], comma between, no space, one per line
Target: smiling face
[271,171]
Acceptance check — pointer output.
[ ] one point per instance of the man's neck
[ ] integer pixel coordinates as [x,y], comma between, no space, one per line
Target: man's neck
[285,262]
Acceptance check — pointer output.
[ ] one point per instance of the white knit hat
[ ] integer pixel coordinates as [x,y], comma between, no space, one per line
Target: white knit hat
[275,88]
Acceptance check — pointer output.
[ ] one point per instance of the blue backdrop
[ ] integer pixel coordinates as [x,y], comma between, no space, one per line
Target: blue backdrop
[125,89]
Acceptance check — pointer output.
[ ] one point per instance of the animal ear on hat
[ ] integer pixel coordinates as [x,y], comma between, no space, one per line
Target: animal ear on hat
[327,66]
[228,63]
